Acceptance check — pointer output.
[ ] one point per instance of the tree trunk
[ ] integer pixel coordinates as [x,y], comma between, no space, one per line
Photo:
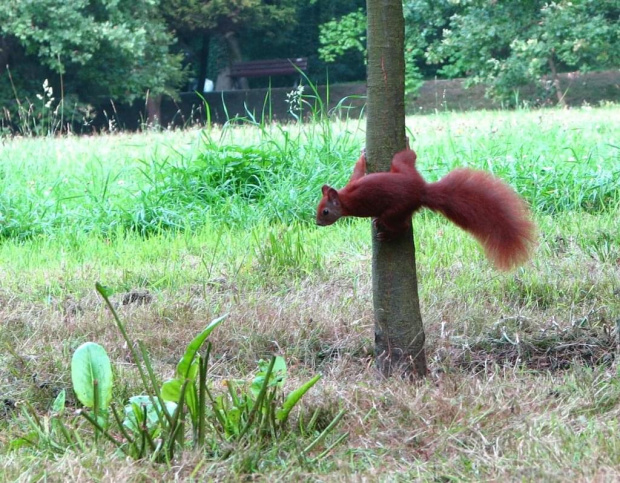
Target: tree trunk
[399,333]
[153,110]
[556,81]
[4,54]
[234,54]
[204,60]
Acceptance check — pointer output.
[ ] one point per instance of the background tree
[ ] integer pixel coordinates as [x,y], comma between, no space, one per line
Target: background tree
[399,333]
[302,40]
[342,37]
[425,22]
[121,50]
[507,44]
[117,49]
[197,22]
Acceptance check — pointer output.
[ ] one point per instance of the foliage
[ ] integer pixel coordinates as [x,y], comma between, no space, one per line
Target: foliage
[338,36]
[348,33]
[108,48]
[228,15]
[424,25]
[301,39]
[508,44]
[212,27]
[122,50]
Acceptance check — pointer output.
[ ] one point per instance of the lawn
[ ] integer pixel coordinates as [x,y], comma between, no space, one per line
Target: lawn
[186,226]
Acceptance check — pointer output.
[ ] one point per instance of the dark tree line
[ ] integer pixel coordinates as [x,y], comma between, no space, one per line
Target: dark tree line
[90,48]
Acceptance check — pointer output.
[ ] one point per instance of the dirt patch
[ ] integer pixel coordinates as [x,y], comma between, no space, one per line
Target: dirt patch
[138,297]
[545,350]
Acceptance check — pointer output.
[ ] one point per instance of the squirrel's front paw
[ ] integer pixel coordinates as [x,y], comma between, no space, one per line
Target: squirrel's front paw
[384,236]
[381,233]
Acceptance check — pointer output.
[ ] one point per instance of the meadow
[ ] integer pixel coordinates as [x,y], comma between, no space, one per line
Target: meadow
[186,226]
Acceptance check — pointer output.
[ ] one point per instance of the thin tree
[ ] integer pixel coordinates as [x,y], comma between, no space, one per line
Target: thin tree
[399,333]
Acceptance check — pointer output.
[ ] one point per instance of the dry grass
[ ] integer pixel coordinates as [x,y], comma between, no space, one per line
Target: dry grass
[516,392]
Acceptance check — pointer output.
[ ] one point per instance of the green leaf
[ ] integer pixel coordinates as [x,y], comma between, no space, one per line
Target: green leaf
[171,390]
[134,412]
[277,378]
[28,440]
[184,367]
[106,292]
[58,406]
[279,367]
[91,363]
[293,398]
[191,400]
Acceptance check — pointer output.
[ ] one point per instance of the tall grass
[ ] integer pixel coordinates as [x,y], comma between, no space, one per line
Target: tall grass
[242,176]
[558,160]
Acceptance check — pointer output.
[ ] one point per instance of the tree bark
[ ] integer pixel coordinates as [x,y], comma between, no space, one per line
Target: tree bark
[4,54]
[399,333]
[204,60]
[556,81]
[234,54]
[153,110]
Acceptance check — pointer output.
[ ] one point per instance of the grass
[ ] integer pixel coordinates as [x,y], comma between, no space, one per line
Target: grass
[524,382]
[273,174]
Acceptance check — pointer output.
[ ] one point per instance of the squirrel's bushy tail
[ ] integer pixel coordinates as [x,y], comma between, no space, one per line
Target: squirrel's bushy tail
[487,208]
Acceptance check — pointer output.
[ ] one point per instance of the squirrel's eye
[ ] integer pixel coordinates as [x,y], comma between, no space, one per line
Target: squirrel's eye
[325,212]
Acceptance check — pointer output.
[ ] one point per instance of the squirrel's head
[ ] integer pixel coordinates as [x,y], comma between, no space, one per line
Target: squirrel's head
[330,208]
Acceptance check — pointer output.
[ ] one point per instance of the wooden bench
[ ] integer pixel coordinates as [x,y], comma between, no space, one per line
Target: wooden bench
[268,67]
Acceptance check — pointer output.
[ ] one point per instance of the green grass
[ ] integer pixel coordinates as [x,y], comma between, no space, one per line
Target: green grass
[273,174]
[524,382]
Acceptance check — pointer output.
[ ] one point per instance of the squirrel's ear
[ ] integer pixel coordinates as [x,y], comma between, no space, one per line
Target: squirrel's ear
[332,195]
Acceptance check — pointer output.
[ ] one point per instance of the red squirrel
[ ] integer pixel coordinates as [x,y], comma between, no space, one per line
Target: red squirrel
[483,205]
